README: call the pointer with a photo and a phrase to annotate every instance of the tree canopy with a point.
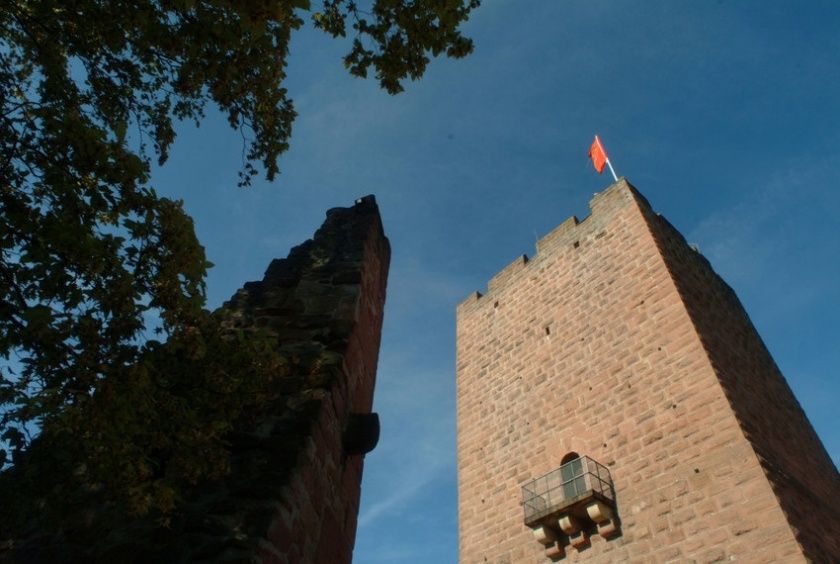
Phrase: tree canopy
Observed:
(91, 255)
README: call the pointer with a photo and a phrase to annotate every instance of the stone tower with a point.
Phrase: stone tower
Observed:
(615, 403)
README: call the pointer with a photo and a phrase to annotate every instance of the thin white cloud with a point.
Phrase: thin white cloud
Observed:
(416, 473)
(763, 229)
(416, 449)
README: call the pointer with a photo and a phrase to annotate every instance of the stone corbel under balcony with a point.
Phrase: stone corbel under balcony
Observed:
(565, 507)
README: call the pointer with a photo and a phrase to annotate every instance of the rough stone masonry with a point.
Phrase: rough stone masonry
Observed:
(325, 305)
(293, 492)
(618, 342)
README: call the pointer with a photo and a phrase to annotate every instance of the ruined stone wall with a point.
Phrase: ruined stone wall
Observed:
(293, 490)
(590, 348)
(325, 305)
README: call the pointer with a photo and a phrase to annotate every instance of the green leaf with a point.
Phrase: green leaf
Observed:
(95, 248)
(14, 437)
(38, 316)
(119, 130)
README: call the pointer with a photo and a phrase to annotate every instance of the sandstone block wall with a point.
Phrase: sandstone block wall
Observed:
(618, 342)
(324, 303)
(792, 456)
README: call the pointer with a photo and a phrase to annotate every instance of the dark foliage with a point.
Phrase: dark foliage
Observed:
(89, 253)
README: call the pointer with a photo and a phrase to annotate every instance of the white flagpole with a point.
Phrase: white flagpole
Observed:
(609, 164)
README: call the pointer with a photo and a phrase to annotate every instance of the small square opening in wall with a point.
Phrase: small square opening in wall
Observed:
(576, 244)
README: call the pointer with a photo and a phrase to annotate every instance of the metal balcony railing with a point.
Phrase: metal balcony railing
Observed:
(577, 480)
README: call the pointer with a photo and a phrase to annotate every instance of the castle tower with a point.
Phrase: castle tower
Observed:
(615, 403)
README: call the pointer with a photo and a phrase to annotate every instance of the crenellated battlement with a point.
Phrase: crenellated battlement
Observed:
(509, 272)
(569, 236)
(559, 234)
(614, 391)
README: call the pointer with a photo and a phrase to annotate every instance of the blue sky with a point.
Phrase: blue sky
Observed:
(726, 115)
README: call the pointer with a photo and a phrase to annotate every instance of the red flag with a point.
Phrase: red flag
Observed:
(598, 155)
